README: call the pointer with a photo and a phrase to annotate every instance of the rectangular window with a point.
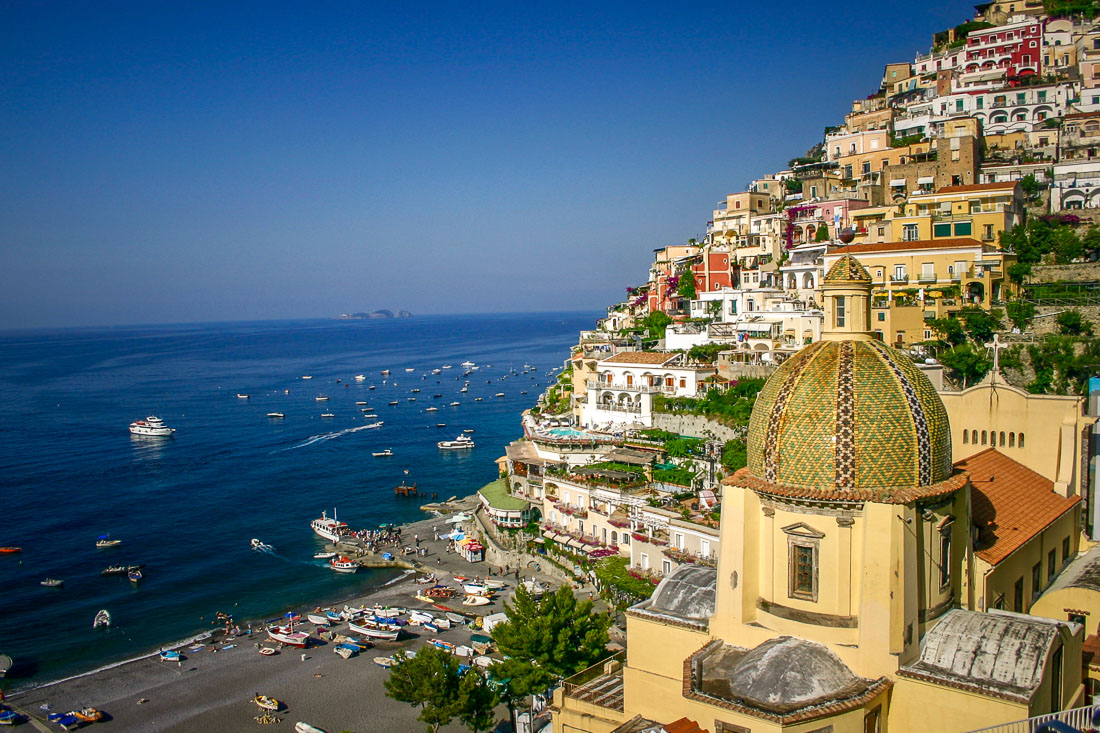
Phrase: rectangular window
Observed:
(1021, 97)
(867, 167)
(1042, 95)
(963, 229)
(1036, 580)
(704, 548)
(958, 105)
(645, 561)
(909, 233)
(981, 102)
(840, 311)
(679, 541)
(881, 315)
(941, 230)
(803, 579)
(1065, 550)
(1052, 565)
(945, 558)
(1018, 596)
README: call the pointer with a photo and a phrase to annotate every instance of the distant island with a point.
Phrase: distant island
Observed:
(377, 314)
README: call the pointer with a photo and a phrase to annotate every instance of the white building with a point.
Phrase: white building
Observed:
(622, 394)
(1076, 186)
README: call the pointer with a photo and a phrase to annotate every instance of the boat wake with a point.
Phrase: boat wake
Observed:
(314, 439)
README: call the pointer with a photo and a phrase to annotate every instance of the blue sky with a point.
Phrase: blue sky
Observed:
(224, 161)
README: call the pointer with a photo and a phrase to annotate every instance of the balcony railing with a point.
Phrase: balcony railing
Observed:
(927, 277)
(1079, 718)
(899, 278)
(633, 387)
(601, 684)
(611, 407)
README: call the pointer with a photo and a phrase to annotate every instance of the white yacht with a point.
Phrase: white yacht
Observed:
(360, 377)
(328, 527)
(151, 426)
(463, 441)
(467, 364)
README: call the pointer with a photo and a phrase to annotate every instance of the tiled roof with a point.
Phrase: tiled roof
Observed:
(947, 243)
(847, 269)
(998, 186)
(1081, 115)
(639, 357)
(1010, 503)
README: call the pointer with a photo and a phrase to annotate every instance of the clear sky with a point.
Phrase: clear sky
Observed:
(224, 161)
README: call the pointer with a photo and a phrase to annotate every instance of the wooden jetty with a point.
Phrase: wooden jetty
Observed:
(405, 490)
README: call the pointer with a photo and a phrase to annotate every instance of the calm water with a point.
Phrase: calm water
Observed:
(187, 506)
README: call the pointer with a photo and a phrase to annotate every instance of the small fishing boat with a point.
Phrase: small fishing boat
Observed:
(464, 389)
(307, 376)
(241, 396)
(261, 546)
(383, 453)
(5, 664)
(455, 618)
(477, 399)
(287, 635)
(441, 424)
(321, 398)
(442, 623)
(52, 583)
(10, 550)
(327, 414)
(103, 618)
(432, 409)
(360, 377)
(387, 611)
(347, 651)
(374, 630)
(430, 626)
(276, 415)
(134, 576)
(499, 394)
(394, 402)
(267, 703)
(476, 589)
(106, 541)
(495, 584)
(301, 727)
(476, 601)
(268, 651)
(9, 717)
(468, 431)
(420, 617)
(333, 616)
(455, 403)
(384, 662)
(324, 555)
(317, 618)
(343, 564)
(444, 645)
(65, 721)
(170, 655)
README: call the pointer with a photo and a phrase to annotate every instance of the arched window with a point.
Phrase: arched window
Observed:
(974, 437)
(1002, 439)
(966, 437)
(1012, 440)
(614, 537)
(1021, 441)
(983, 437)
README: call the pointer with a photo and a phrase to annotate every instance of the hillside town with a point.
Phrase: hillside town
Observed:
(832, 462)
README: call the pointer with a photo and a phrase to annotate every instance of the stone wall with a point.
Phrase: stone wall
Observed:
(1082, 271)
(695, 426)
(1048, 322)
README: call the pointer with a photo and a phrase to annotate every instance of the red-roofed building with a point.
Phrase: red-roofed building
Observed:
(1025, 532)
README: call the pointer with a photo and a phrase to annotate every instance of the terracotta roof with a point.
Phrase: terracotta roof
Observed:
(999, 186)
(1010, 503)
(947, 243)
(640, 357)
(683, 725)
(1081, 115)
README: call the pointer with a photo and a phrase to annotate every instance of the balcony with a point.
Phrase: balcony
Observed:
(622, 386)
(927, 277)
(600, 685)
(1079, 718)
(899, 279)
(625, 409)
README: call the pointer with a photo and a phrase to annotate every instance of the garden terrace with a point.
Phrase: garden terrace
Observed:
(607, 474)
(631, 456)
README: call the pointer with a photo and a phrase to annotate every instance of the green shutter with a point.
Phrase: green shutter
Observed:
(963, 229)
(941, 230)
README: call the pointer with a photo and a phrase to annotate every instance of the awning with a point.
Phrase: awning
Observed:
(575, 543)
(925, 179)
(897, 181)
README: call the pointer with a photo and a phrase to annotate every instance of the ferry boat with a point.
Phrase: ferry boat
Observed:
(328, 527)
(151, 426)
(343, 564)
(463, 441)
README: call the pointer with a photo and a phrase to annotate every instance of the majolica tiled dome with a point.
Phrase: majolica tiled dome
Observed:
(848, 418)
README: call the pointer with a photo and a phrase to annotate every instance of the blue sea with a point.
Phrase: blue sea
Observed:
(187, 506)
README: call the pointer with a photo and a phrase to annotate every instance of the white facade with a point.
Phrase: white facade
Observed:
(622, 394)
(1076, 186)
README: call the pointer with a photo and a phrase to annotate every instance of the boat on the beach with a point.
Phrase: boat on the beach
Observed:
(343, 564)
(374, 630)
(477, 589)
(383, 453)
(287, 635)
(9, 717)
(267, 703)
(317, 618)
(387, 611)
(276, 415)
(64, 721)
(301, 727)
(268, 651)
(5, 664)
(444, 645)
(463, 441)
(347, 651)
(476, 601)
(52, 583)
(324, 555)
(384, 662)
(152, 426)
(10, 550)
(134, 576)
(170, 655)
(333, 616)
(103, 618)
(455, 618)
(328, 527)
(261, 546)
(106, 541)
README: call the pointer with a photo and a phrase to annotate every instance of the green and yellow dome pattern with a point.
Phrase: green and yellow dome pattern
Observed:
(849, 417)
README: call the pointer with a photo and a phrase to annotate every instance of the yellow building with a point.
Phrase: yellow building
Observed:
(981, 211)
(844, 594)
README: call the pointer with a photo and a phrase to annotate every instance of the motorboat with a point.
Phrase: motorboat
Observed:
(241, 396)
(467, 364)
(267, 703)
(10, 550)
(383, 453)
(441, 424)
(134, 576)
(394, 402)
(432, 409)
(409, 369)
(103, 618)
(455, 404)
(464, 389)
(261, 546)
(499, 394)
(328, 527)
(385, 372)
(415, 391)
(360, 377)
(412, 399)
(461, 442)
(385, 662)
(276, 415)
(287, 635)
(477, 399)
(343, 564)
(436, 371)
(52, 583)
(361, 402)
(324, 555)
(317, 618)
(476, 601)
(376, 424)
(106, 541)
(151, 425)
(327, 414)
(307, 376)
(321, 398)
(170, 655)
(374, 629)
(468, 430)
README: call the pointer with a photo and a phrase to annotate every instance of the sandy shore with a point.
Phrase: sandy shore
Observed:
(213, 691)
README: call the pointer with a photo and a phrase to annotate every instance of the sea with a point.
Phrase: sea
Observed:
(186, 507)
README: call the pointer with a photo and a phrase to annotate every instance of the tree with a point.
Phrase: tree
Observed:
(949, 329)
(1072, 323)
(822, 234)
(734, 455)
(656, 323)
(1090, 243)
(980, 324)
(1021, 313)
(686, 286)
(476, 701)
(1030, 186)
(966, 363)
(429, 680)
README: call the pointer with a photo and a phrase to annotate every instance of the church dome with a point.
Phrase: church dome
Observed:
(849, 419)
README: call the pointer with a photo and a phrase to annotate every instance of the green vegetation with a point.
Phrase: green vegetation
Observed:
(1071, 8)
(966, 362)
(822, 234)
(1030, 187)
(901, 142)
(656, 323)
(734, 455)
(816, 154)
(1072, 323)
(1063, 364)
(731, 407)
(966, 333)
(686, 286)
(1053, 237)
(617, 582)
(706, 353)
(683, 447)
(431, 681)
(792, 185)
(1021, 313)
(616, 466)
(662, 435)
(678, 476)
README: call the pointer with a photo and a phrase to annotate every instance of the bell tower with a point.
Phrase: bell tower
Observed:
(846, 291)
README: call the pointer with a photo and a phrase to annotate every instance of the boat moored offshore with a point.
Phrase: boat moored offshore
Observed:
(462, 442)
(329, 527)
(151, 425)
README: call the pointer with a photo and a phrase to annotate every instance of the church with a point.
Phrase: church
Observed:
(870, 577)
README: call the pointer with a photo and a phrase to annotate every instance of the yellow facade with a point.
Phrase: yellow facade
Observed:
(981, 211)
